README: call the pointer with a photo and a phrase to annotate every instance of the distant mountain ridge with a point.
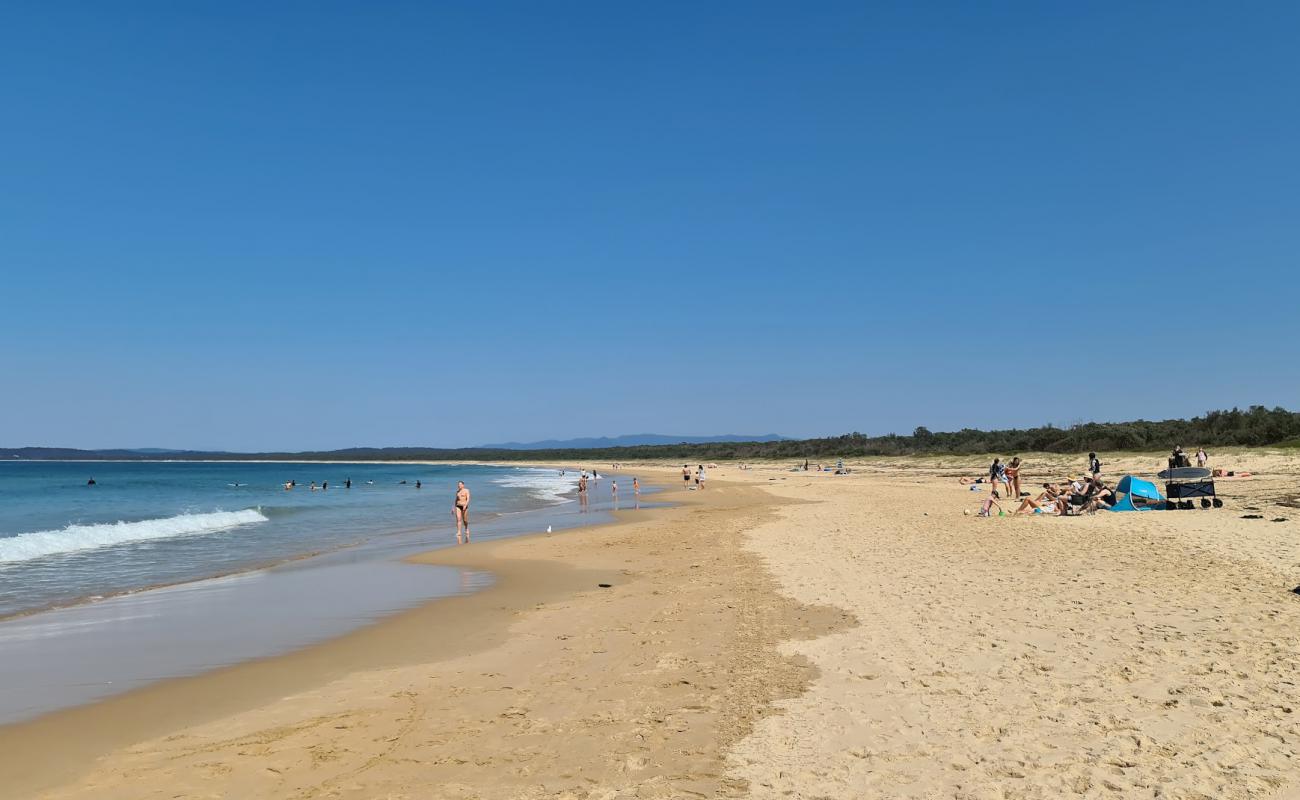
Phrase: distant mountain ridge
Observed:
(631, 440)
(1257, 426)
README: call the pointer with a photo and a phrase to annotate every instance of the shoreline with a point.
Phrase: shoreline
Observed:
(499, 518)
(70, 654)
(56, 748)
(780, 634)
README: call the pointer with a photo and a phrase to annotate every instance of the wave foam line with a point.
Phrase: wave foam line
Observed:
(74, 538)
(545, 485)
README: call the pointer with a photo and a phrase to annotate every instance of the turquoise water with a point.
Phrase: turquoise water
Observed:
(150, 524)
(163, 570)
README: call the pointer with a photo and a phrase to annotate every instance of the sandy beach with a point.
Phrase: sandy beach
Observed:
(780, 634)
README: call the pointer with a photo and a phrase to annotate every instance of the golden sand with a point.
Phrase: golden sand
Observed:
(780, 634)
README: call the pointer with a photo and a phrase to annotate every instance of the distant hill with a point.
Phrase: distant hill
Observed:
(1256, 426)
(632, 440)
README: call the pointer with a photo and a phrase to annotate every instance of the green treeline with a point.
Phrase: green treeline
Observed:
(1254, 427)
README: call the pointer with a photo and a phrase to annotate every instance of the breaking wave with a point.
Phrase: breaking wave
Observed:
(74, 538)
(547, 486)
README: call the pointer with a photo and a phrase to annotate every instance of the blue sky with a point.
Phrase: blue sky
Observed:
(307, 225)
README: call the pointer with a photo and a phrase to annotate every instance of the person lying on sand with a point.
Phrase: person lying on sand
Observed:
(1049, 501)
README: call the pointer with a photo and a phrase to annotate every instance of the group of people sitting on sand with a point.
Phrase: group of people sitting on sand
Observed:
(1071, 497)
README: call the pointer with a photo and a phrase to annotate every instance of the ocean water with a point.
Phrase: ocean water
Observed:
(141, 525)
(168, 569)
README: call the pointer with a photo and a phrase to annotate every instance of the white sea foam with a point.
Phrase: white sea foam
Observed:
(38, 544)
(546, 485)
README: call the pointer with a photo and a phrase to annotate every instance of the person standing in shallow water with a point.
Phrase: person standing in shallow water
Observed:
(461, 511)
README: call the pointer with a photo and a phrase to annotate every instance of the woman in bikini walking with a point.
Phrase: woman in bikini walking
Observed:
(461, 511)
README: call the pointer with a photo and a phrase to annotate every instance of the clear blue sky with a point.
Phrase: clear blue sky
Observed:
(318, 224)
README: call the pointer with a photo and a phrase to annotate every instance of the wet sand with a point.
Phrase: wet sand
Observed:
(544, 683)
(781, 634)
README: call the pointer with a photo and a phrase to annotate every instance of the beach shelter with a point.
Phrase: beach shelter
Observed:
(1145, 492)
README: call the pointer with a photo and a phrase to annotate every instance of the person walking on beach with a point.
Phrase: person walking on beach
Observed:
(461, 511)
(700, 476)
(1094, 465)
(1202, 457)
(686, 476)
(613, 487)
(995, 473)
(636, 488)
(582, 491)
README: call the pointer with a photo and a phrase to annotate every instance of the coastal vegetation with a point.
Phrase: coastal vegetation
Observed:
(1256, 426)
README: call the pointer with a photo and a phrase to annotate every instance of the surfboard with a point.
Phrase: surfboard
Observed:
(1184, 474)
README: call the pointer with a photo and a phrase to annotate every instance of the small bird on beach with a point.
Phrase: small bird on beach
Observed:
(548, 528)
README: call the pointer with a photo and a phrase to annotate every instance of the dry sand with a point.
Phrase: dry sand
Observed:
(781, 635)
(1117, 655)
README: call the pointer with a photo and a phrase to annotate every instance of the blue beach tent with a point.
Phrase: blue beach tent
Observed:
(1148, 496)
